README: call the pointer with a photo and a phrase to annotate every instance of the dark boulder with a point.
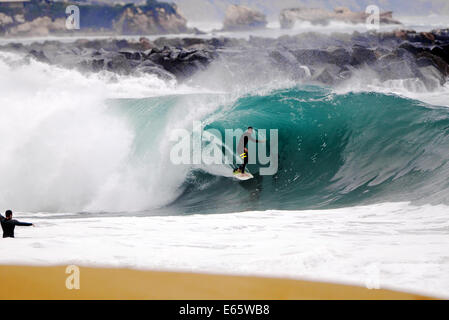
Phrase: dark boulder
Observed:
(311, 56)
(39, 55)
(283, 58)
(196, 55)
(424, 62)
(423, 37)
(339, 56)
(156, 57)
(361, 55)
(286, 62)
(119, 64)
(441, 35)
(413, 48)
(440, 63)
(131, 54)
(442, 52)
(121, 44)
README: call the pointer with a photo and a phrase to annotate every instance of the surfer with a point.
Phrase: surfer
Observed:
(9, 224)
(242, 149)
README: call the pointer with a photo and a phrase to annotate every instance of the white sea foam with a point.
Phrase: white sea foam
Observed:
(413, 88)
(395, 245)
(63, 150)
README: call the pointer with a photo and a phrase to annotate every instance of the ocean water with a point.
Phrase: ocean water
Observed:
(360, 195)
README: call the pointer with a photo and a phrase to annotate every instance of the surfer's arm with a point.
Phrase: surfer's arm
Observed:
(22, 224)
(256, 140)
(2, 218)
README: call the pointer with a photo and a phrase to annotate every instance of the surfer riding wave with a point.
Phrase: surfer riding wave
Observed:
(242, 149)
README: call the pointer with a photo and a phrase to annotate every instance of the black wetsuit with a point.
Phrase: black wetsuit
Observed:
(8, 226)
(243, 143)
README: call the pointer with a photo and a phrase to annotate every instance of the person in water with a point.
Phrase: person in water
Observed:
(242, 149)
(9, 224)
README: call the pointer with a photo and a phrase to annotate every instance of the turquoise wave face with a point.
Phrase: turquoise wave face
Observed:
(334, 150)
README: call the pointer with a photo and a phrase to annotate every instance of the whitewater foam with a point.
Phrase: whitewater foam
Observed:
(395, 245)
(412, 88)
(63, 149)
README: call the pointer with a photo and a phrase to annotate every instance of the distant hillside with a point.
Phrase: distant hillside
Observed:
(215, 9)
(39, 17)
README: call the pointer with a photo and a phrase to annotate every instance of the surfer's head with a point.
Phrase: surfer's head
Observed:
(250, 129)
(8, 214)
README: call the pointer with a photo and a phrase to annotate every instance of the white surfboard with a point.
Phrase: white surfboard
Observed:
(243, 176)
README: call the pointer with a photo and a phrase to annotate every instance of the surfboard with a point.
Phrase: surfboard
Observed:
(243, 177)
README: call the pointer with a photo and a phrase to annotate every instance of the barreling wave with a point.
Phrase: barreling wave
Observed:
(66, 148)
(334, 150)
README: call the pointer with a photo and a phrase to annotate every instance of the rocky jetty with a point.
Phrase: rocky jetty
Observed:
(288, 17)
(243, 18)
(124, 57)
(387, 56)
(317, 58)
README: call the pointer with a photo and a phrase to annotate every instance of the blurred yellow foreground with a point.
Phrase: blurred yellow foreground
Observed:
(20, 282)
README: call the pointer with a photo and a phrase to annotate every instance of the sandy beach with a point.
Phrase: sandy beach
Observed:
(31, 283)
